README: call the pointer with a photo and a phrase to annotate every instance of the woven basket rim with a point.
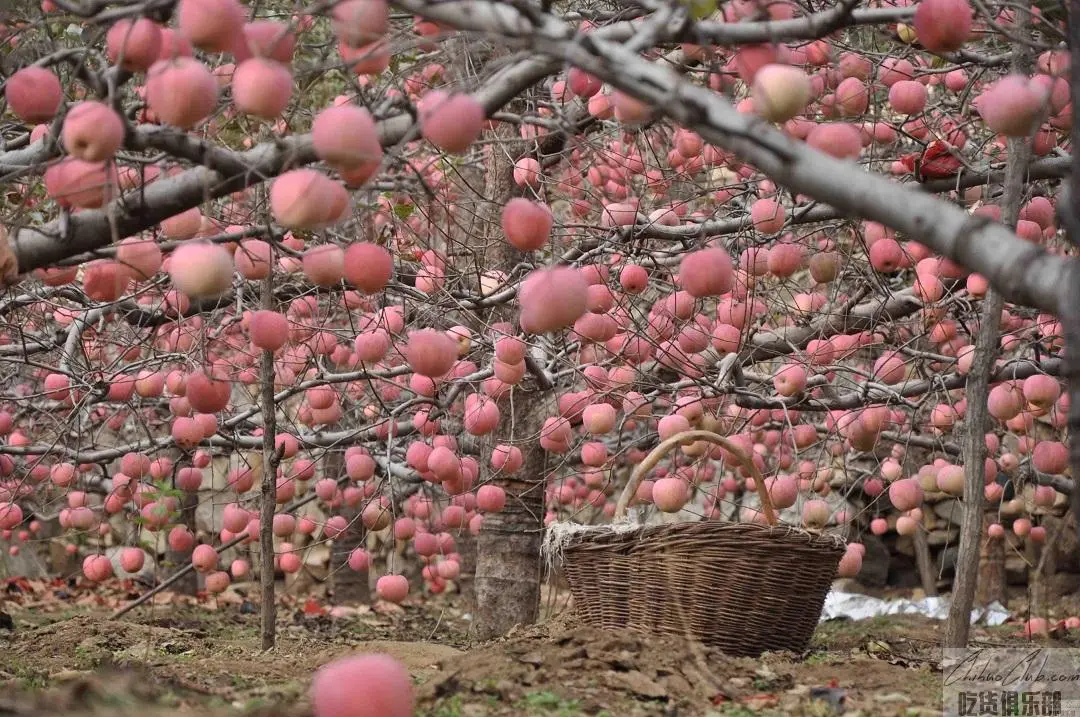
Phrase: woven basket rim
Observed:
(781, 533)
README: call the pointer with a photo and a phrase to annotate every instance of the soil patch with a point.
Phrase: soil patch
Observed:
(204, 662)
(191, 664)
(597, 672)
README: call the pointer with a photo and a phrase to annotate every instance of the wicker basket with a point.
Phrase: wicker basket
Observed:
(744, 587)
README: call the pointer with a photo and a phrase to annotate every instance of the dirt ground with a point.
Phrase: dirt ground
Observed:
(201, 657)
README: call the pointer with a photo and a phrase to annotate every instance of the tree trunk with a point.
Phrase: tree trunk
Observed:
(1038, 558)
(1045, 559)
(508, 571)
(967, 561)
(991, 584)
(349, 586)
(924, 563)
(507, 551)
(1069, 312)
(466, 581)
(986, 350)
(269, 483)
(60, 561)
(189, 584)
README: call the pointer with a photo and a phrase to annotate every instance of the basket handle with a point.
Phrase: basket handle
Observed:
(698, 435)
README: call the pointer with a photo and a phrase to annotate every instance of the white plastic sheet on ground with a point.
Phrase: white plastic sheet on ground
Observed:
(854, 606)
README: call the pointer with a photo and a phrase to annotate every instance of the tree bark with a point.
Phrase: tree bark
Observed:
(60, 561)
(1038, 558)
(967, 561)
(991, 583)
(986, 350)
(349, 586)
(925, 565)
(189, 584)
(466, 581)
(1069, 309)
(268, 629)
(1042, 588)
(508, 571)
(978, 387)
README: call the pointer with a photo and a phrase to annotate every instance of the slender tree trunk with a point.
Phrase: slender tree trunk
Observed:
(269, 483)
(60, 562)
(466, 581)
(967, 561)
(1044, 557)
(189, 584)
(350, 586)
(991, 584)
(1038, 558)
(1069, 312)
(925, 565)
(986, 350)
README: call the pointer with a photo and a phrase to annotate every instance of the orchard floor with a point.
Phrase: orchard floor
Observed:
(65, 656)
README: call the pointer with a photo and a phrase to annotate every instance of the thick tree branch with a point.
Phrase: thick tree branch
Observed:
(1014, 370)
(810, 27)
(1050, 168)
(990, 249)
(37, 247)
(1070, 300)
